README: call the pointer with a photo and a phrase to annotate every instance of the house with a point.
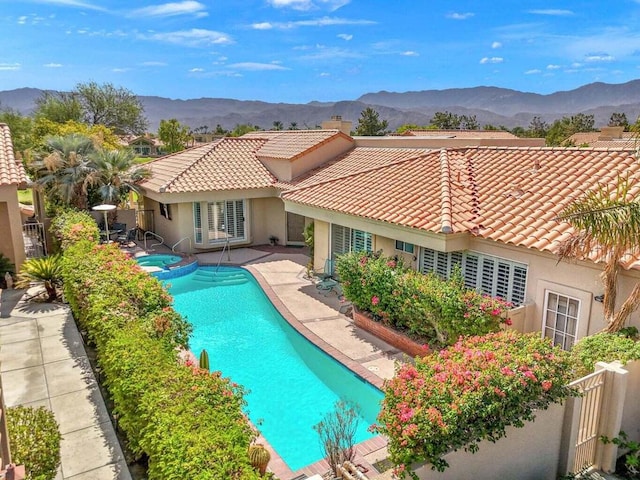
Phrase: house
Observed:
(490, 209)
(607, 137)
(144, 145)
(12, 176)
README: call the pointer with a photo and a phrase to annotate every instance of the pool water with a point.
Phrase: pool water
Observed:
(158, 260)
(292, 384)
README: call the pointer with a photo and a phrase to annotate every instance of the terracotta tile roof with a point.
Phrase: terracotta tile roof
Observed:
(590, 138)
(291, 144)
(11, 170)
(509, 195)
(228, 164)
(460, 133)
(356, 160)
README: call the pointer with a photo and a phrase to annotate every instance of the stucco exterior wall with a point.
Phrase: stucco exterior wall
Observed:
(579, 280)
(11, 241)
(322, 240)
(267, 218)
(528, 453)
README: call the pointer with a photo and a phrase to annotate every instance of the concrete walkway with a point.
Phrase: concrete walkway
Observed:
(43, 363)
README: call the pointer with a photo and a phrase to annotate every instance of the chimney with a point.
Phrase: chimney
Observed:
(336, 123)
(611, 133)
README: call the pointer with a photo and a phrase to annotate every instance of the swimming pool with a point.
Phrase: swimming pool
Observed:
(292, 383)
(158, 260)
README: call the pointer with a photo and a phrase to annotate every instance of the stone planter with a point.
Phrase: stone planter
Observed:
(392, 337)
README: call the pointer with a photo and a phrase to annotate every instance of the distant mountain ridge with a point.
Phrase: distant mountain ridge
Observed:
(491, 105)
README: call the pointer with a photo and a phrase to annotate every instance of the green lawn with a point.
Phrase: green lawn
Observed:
(25, 196)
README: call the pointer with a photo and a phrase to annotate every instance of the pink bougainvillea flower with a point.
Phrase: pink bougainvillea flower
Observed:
(375, 300)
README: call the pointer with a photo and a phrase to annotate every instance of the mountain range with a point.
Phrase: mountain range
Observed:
(491, 105)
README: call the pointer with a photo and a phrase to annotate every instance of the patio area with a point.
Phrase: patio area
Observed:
(43, 360)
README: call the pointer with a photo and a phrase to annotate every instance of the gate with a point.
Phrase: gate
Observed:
(35, 243)
(591, 388)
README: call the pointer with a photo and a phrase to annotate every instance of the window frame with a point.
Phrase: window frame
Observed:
(564, 333)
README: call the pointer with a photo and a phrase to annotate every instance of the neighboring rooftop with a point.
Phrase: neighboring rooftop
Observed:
(607, 137)
(459, 133)
(11, 170)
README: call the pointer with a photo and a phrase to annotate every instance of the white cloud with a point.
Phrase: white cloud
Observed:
(345, 36)
(73, 3)
(196, 70)
(187, 7)
(330, 53)
(304, 5)
(327, 74)
(196, 37)
(9, 66)
(410, 53)
(599, 57)
(154, 64)
(460, 16)
(491, 60)
(256, 66)
(22, 20)
(319, 22)
(551, 66)
(120, 70)
(262, 26)
(495, 45)
(552, 11)
(52, 65)
(533, 72)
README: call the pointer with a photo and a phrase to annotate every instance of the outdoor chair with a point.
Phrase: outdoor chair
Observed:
(327, 272)
(125, 239)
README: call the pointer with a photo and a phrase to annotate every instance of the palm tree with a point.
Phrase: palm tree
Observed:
(607, 224)
(64, 172)
(47, 270)
(114, 176)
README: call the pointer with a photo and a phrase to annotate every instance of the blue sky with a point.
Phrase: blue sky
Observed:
(297, 51)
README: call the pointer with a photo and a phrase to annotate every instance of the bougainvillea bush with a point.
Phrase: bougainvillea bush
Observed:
(426, 307)
(469, 392)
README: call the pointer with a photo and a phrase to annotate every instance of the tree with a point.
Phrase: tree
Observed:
(101, 136)
(174, 135)
(21, 128)
(59, 107)
(113, 175)
(618, 120)
(47, 270)
(277, 125)
(369, 123)
(607, 220)
(65, 172)
(446, 121)
(538, 128)
(93, 104)
(469, 122)
(241, 129)
(293, 126)
(562, 129)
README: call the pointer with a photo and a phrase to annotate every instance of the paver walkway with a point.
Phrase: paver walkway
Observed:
(44, 363)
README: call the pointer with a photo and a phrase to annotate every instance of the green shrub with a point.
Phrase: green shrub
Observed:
(602, 347)
(6, 266)
(469, 392)
(71, 226)
(426, 307)
(187, 421)
(35, 441)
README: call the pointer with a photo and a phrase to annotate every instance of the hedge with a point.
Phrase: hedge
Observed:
(187, 421)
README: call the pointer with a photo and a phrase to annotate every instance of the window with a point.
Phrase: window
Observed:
(561, 319)
(345, 239)
(225, 222)
(404, 246)
(487, 274)
(165, 210)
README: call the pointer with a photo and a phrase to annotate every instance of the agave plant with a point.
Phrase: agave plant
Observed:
(47, 270)
(5, 267)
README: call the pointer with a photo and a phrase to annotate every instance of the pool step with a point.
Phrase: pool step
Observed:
(220, 278)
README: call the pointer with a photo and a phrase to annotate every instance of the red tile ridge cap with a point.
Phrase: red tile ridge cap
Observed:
(445, 193)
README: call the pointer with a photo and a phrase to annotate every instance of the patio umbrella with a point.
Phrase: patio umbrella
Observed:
(105, 208)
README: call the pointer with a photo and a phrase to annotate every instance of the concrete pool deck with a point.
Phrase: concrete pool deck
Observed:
(44, 363)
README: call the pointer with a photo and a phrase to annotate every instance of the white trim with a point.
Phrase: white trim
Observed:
(566, 339)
